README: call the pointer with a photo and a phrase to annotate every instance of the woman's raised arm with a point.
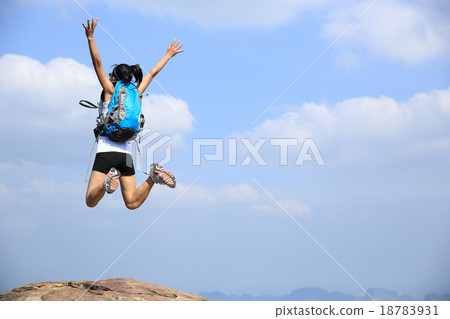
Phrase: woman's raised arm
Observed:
(105, 82)
(172, 50)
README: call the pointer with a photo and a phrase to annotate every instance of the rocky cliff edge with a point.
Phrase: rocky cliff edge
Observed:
(103, 290)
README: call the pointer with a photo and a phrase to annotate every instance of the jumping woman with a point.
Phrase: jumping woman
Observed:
(113, 162)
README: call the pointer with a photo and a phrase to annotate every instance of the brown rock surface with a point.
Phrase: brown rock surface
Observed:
(109, 289)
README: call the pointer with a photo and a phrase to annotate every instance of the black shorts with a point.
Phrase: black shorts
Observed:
(123, 162)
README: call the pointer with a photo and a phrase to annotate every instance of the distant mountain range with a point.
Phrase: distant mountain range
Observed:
(317, 294)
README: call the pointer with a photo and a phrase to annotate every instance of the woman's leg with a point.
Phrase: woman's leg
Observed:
(95, 190)
(132, 196)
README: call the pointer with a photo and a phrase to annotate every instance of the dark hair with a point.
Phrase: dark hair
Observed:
(125, 73)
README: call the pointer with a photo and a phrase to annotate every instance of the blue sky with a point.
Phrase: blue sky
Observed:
(376, 105)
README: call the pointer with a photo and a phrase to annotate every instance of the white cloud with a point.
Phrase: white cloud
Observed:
(238, 193)
(346, 59)
(246, 197)
(167, 115)
(368, 128)
(57, 194)
(19, 165)
(229, 13)
(209, 14)
(41, 192)
(292, 206)
(51, 189)
(41, 101)
(411, 31)
(45, 97)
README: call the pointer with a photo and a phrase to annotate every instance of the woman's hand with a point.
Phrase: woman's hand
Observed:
(90, 27)
(174, 48)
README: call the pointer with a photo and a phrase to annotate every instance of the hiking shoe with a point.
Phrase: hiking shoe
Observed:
(111, 182)
(161, 176)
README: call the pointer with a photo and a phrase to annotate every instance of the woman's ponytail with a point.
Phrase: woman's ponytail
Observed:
(137, 73)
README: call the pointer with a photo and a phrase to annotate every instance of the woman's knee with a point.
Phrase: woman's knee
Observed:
(131, 205)
(90, 201)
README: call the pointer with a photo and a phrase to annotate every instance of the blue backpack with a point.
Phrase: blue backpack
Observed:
(124, 118)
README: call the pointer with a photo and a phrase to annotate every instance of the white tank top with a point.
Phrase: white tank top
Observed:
(106, 145)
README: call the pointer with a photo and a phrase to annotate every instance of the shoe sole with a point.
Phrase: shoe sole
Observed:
(112, 182)
(167, 177)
